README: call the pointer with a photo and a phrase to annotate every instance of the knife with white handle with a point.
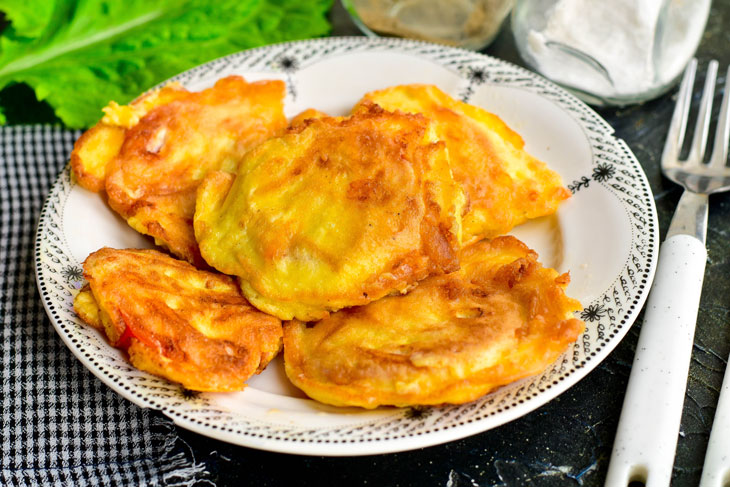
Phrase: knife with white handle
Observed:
(716, 472)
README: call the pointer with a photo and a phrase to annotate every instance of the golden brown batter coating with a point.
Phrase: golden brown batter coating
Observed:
(151, 155)
(336, 213)
(189, 326)
(505, 185)
(95, 150)
(301, 119)
(452, 339)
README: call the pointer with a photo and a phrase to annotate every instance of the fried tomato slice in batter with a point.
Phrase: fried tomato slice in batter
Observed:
(336, 213)
(504, 184)
(151, 155)
(452, 339)
(189, 326)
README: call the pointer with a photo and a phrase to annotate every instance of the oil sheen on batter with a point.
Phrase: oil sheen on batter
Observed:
(452, 339)
(504, 184)
(189, 326)
(338, 212)
(151, 155)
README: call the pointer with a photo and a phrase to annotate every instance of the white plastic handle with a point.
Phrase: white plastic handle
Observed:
(646, 438)
(716, 472)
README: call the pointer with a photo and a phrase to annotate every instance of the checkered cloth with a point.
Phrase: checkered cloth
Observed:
(61, 425)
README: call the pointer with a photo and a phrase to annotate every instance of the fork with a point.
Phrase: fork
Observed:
(646, 438)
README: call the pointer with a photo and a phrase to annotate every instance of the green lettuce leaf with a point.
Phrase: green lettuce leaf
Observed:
(79, 54)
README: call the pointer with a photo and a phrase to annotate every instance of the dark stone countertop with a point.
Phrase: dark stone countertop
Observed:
(568, 441)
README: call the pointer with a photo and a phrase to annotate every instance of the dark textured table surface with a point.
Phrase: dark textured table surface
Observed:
(568, 441)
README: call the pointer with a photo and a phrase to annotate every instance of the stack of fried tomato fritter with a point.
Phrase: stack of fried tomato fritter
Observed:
(377, 238)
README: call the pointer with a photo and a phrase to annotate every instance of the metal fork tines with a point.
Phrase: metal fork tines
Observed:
(646, 438)
(693, 173)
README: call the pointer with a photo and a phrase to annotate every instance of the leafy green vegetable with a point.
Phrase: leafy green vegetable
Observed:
(79, 54)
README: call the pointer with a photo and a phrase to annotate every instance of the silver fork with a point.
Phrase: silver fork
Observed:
(646, 438)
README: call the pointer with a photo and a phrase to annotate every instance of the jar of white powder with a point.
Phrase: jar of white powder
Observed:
(610, 52)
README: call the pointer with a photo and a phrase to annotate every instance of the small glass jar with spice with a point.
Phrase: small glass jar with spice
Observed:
(471, 24)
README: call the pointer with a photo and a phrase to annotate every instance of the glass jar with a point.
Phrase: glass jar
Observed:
(471, 24)
(614, 52)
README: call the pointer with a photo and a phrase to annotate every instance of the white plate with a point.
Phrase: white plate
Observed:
(606, 236)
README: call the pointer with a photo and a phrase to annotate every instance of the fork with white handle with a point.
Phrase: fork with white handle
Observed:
(646, 438)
